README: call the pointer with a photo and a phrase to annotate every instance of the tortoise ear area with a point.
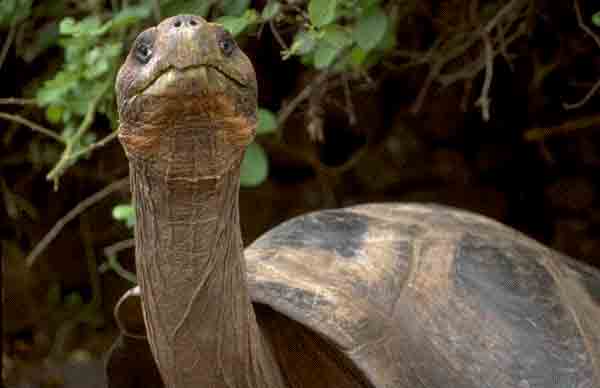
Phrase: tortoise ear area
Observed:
(129, 316)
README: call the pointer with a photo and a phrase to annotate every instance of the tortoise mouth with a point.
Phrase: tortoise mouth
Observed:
(190, 80)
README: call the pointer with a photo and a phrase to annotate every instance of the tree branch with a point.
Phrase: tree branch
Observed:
(585, 98)
(461, 43)
(9, 39)
(484, 99)
(66, 156)
(596, 38)
(17, 101)
(277, 36)
(101, 143)
(537, 134)
(582, 24)
(110, 252)
(33, 126)
(290, 107)
(72, 214)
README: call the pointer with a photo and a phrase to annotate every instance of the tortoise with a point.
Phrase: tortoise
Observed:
(374, 295)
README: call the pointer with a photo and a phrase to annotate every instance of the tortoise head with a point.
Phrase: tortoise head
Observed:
(186, 96)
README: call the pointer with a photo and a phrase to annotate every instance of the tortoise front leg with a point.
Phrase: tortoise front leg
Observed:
(129, 362)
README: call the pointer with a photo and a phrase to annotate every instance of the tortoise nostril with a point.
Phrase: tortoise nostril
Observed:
(177, 23)
(193, 22)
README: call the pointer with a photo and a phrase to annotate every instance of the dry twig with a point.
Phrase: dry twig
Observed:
(457, 46)
(72, 214)
(100, 143)
(585, 98)
(596, 38)
(119, 246)
(35, 127)
(17, 101)
(111, 251)
(290, 107)
(277, 36)
(484, 99)
(538, 134)
(9, 39)
(350, 111)
(582, 24)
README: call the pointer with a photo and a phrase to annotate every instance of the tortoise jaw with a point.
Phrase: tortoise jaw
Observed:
(192, 80)
(180, 80)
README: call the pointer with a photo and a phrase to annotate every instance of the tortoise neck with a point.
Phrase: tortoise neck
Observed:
(199, 317)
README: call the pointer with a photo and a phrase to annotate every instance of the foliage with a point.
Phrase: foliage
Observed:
(124, 213)
(360, 27)
(13, 11)
(254, 166)
(343, 38)
(596, 19)
(93, 49)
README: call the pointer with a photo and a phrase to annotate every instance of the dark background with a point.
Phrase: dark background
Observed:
(546, 187)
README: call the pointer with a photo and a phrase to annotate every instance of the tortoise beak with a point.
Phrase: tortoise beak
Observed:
(190, 80)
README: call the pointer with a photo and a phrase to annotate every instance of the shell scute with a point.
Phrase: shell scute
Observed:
(435, 297)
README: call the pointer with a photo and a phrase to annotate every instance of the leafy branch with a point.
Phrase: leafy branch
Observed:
(69, 153)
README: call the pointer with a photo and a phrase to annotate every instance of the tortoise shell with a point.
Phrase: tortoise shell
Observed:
(408, 295)
(429, 296)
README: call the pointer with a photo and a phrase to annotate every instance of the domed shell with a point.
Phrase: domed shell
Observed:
(428, 296)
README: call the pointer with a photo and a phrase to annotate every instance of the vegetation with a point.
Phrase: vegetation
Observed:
(484, 78)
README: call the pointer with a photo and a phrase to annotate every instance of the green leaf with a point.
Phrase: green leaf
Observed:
(255, 166)
(87, 27)
(267, 122)
(325, 55)
(388, 42)
(124, 213)
(237, 25)
(370, 29)
(367, 4)
(358, 56)
(321, 12)
(130, 15)
(337, 36)
(271, 10)
(54, 90)
(54, 113)
(596, 19)
(334, 38)
(235, 7)
(67, 26)
(14, 11)
(177, 7)
(304, 43)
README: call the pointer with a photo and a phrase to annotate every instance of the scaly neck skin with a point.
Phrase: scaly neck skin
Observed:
(199, 317)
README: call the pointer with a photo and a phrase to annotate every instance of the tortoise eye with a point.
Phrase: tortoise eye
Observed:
(226, 44)
(143, 52)
(143, 47)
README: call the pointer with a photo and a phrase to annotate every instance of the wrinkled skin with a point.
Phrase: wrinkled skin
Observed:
(191, 75)
(187, 106)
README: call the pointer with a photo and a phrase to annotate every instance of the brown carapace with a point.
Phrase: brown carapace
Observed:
(380, 295)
